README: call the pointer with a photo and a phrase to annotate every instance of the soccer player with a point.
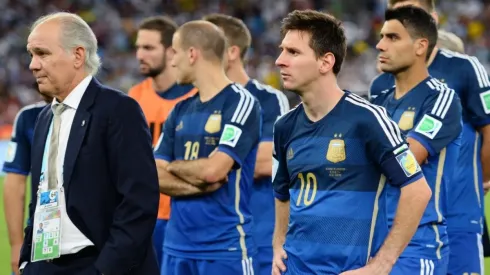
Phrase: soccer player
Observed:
(17, 167)
(334, 154)
(274, 104)
(429, 114)
(469, 79)
(206, 160)
(158, 94)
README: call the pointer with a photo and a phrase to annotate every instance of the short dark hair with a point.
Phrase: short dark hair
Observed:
(235, 30)
(429, 5)
(327, 33)
(205, 36)
(163, 24)
(418, 23)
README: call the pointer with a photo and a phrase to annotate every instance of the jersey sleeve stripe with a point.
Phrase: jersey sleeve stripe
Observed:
(391, 124)
(446, 108)
(386, 124)
(444, 100)
(483, 72)
(281, 97)
(240, 103)
(397, 132)
(244, 106)
(249, 110)
(480, 72)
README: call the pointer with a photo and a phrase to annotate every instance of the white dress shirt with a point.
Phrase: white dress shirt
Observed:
(72, 240)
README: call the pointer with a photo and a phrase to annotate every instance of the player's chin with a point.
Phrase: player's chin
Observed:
(386, 68)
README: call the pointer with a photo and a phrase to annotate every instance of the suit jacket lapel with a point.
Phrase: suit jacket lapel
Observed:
(78, 130)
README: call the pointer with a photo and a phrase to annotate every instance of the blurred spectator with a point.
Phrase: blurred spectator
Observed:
(115, 21)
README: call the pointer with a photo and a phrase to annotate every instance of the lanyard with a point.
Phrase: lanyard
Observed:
(44, 166)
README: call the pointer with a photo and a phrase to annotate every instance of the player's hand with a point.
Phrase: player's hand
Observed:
(14, 258)
(486, 187)
(278, 265)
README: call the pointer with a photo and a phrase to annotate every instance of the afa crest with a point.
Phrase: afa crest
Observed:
(336, 149)
(213, 125)
(406, 120)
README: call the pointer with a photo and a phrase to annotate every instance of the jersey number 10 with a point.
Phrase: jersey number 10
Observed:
(304, 192)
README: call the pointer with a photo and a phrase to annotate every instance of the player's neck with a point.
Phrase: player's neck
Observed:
(432, 56)
(237, 74)
(163, 81)
(210, 82)
(68, 89)
(407, 80)
(320, 98)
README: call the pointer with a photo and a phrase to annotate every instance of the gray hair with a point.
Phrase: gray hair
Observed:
(75, 32)
(450, 41)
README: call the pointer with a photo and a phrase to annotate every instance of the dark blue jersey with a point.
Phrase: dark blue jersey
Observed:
(334, 172)
(217, 225)
(274, 104)
(431, 114)
(18, 159)
(469, 79)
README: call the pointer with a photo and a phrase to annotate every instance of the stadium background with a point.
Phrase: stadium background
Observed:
(115, 22)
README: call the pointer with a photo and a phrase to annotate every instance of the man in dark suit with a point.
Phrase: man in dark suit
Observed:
(93, 147)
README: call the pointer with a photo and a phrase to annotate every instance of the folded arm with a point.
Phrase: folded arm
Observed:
(174, 186)
(203, 172)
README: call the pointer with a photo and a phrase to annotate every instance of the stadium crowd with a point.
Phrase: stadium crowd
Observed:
(115, 23)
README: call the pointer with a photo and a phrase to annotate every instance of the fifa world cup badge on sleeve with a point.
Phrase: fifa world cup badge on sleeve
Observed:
(230, 135)
(336, 149)
(408, 163)
(11, 150)
(485, 99)
(428, 126)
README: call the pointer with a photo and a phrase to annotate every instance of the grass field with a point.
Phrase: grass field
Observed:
(5, 248)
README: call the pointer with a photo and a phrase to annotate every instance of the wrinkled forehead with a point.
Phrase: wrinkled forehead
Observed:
(45, 35)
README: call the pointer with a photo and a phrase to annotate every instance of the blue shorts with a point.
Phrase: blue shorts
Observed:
(466, 254)
(417, 266)
(264, 259)
(172, 265)
(158, 237)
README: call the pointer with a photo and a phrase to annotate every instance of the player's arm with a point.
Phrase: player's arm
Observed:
(485, 152)
(387, 148)
(17, 166)
(170, 184)
(476, 101)
(440, 124)
(273, 109)
(280, 184)
(176, 187)
(240, 134)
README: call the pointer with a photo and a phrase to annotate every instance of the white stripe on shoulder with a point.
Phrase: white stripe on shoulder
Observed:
(245, 105)
(444, 100)
(389, 127)
(282, 99)
(480, 72)
(25, 108)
